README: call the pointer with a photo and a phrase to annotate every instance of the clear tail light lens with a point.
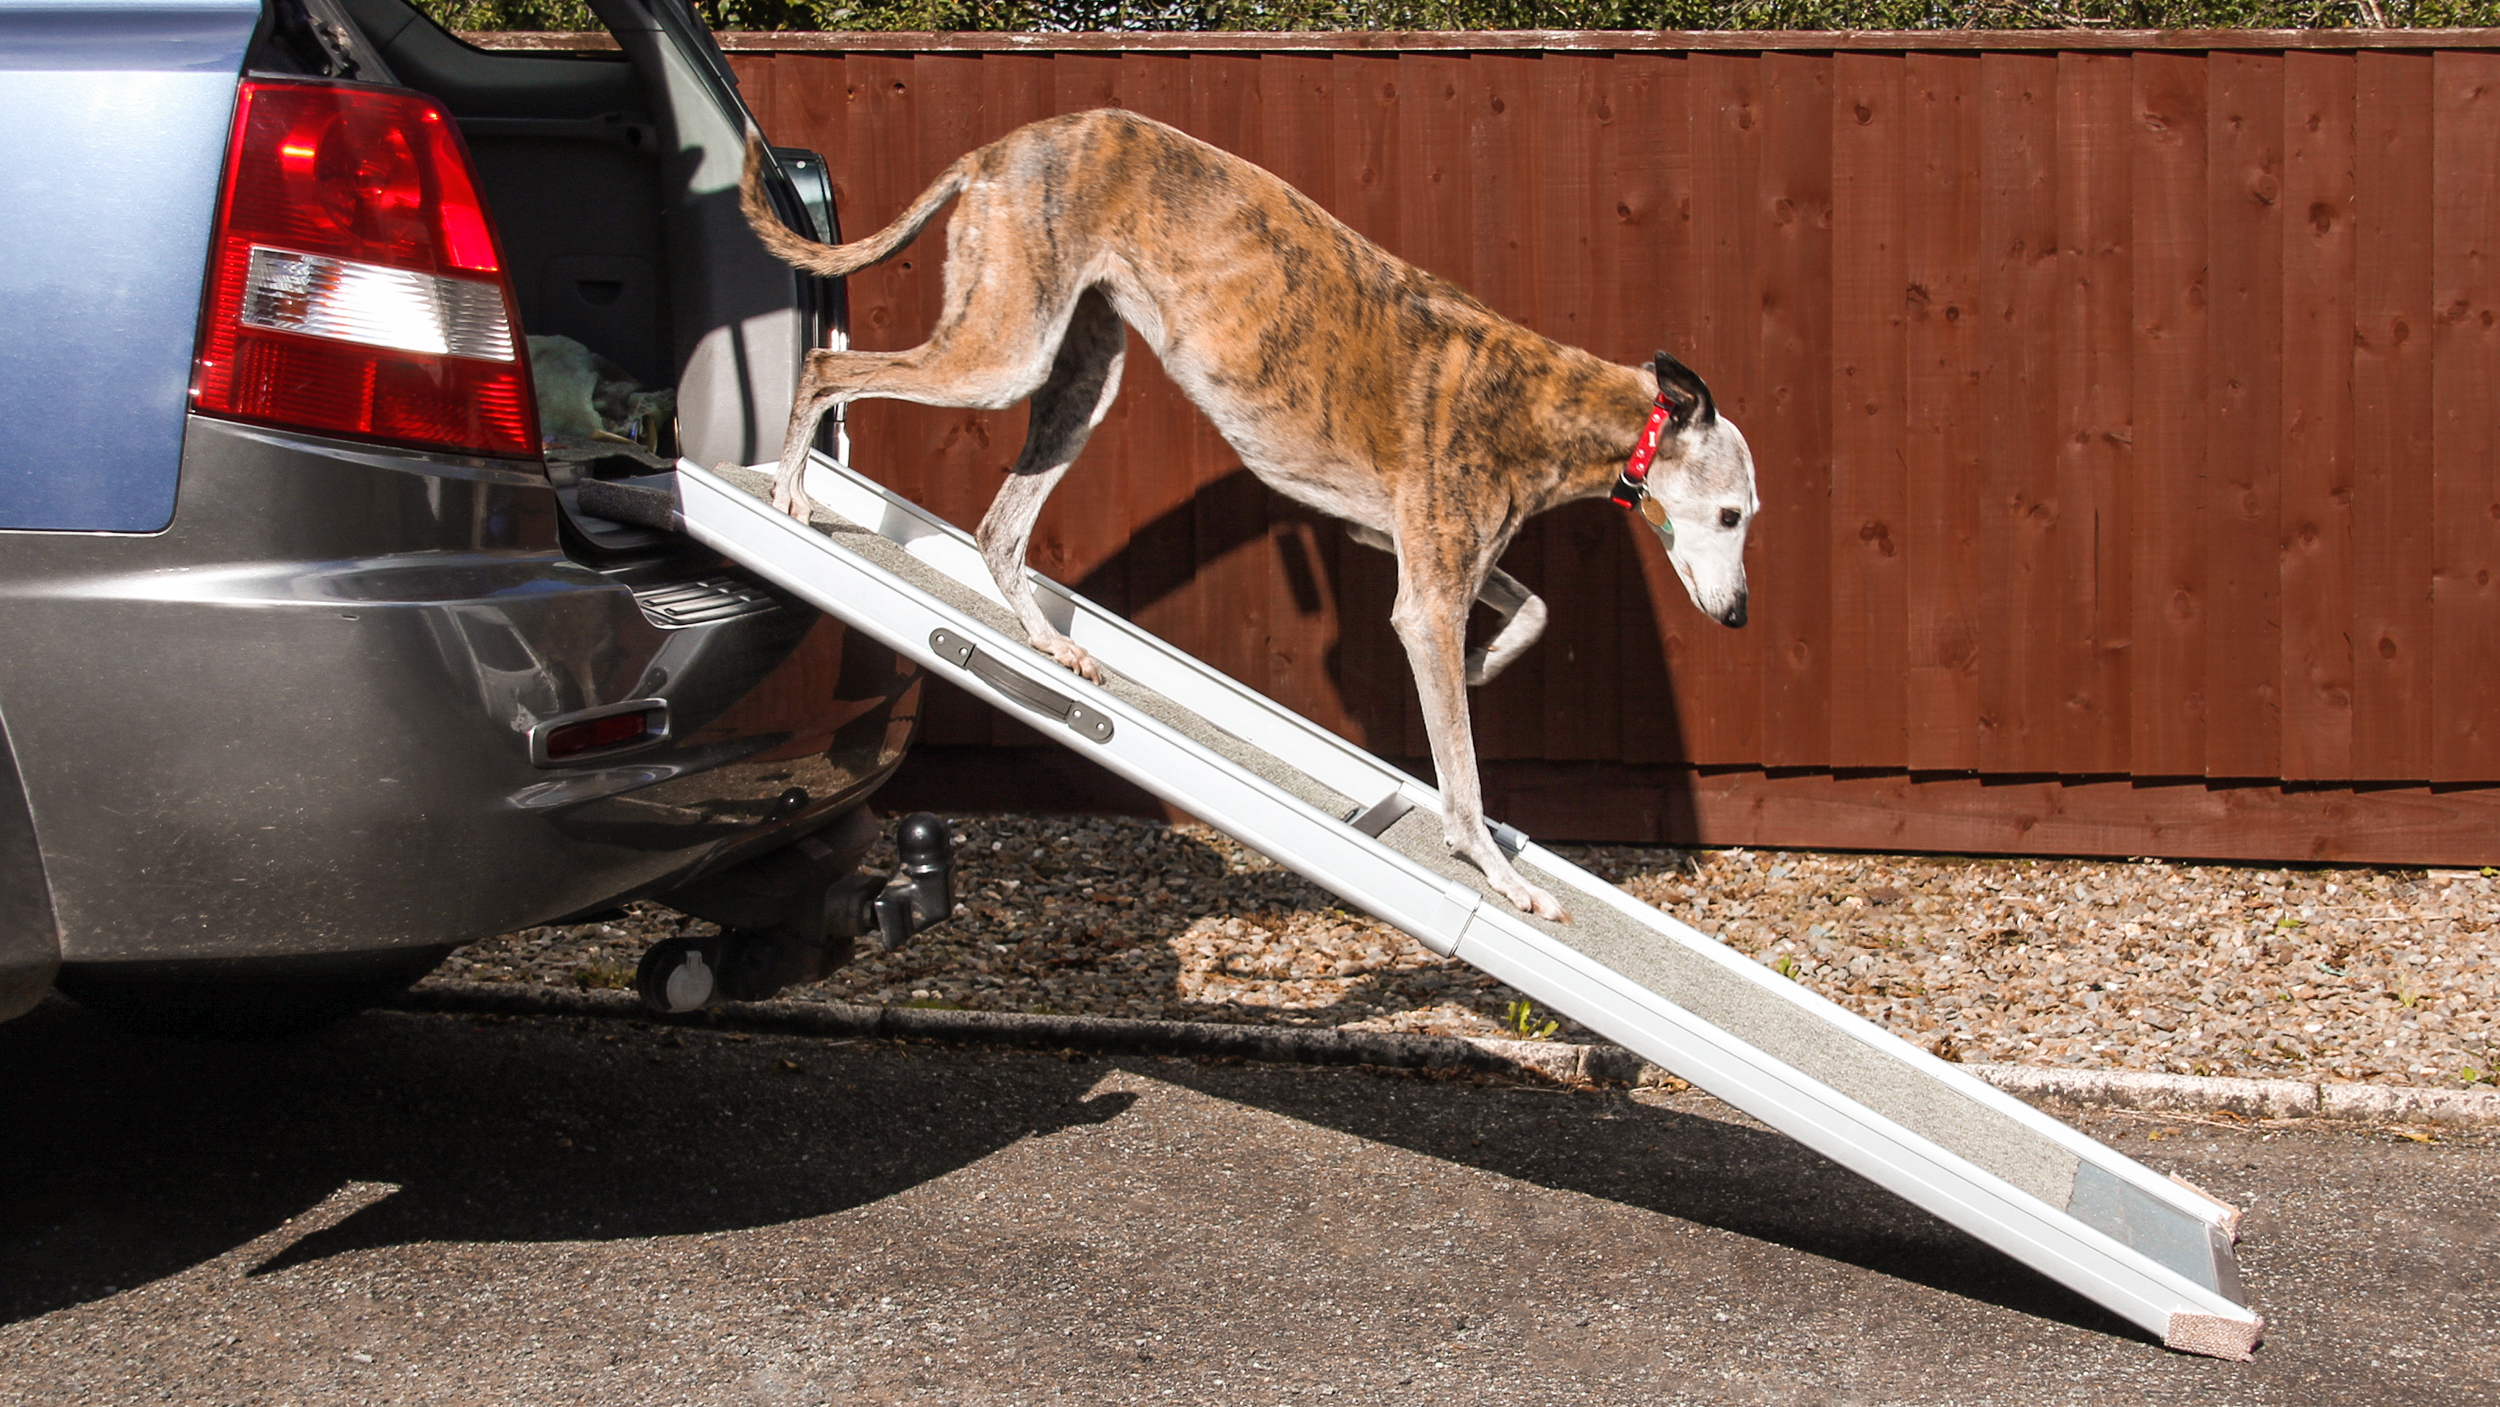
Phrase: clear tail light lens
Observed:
(354, 283)
(319, 296)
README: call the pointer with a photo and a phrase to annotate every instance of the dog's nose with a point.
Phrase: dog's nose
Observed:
(1734, 615)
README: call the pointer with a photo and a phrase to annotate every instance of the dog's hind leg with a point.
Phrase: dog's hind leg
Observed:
(1430, 618)
(820, 387)
(1084, 379)
(973, 372)
(1519, 612)
(1010, 297)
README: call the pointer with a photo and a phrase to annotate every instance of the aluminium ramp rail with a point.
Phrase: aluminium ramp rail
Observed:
(2155, 1251)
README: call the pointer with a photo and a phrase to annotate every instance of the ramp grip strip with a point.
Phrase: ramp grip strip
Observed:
(1039, 698)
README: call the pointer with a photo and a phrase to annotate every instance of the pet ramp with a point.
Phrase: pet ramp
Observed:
(2148, 1248)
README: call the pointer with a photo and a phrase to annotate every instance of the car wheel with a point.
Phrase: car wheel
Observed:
(247, 996)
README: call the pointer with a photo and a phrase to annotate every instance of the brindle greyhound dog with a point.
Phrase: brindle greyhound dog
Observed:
(1345, 378)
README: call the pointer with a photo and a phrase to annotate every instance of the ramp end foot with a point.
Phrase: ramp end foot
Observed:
(2214, 1336)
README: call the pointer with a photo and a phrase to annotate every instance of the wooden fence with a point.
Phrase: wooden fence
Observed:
(2123, 407)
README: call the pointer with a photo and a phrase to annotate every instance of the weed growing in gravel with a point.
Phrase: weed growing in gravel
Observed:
(2481, 1069)
(1519, 1018)
(603, 975)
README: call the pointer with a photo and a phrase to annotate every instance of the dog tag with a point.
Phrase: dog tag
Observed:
(1653, 510)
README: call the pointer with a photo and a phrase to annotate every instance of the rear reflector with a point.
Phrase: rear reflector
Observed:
(355, 287)
(569, 740)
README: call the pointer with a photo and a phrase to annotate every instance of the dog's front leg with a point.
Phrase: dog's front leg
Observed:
(1519, 620)
(1084, 379)
(1005, 534)
(1518, 613)
(1431, 621)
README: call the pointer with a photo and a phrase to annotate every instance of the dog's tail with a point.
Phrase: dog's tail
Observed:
(836, 260)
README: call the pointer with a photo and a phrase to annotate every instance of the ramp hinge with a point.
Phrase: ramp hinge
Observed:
(1450, 919)
(1375, 819)
(1040, 698)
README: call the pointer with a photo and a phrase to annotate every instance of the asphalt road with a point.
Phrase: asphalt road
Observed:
(563, 1211)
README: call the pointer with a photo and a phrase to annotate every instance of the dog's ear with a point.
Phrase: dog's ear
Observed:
(1686, 392)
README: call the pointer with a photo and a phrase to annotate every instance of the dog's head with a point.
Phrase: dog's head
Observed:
(1703, 478)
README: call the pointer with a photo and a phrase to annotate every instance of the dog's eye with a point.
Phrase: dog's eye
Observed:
(1729, 517)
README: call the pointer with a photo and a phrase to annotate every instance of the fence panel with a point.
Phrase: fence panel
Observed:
(1870, 647)
(2318, 330)
(2391, 612)
(2095, 462)
(2465, 368)
(2166, 712)
(1943, 446)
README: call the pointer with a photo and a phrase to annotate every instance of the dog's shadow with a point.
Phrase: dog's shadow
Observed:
(1604, 644)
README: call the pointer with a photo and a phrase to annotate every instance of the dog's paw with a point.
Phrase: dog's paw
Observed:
(1072, 657)
(1533, 900)
(790, 496)
(1505, 881)
(795, 502)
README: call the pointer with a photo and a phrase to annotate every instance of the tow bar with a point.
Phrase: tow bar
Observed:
(813, 936)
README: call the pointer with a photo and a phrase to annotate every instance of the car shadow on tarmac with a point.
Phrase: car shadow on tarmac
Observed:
(134, 1157)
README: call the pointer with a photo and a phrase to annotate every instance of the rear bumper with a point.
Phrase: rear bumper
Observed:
(298, 721)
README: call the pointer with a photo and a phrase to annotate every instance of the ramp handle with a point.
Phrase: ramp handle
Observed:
(1038, 697)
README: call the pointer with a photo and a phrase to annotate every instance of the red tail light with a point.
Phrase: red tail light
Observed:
(354, 283)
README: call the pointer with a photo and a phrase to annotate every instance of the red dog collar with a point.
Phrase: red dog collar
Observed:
(1630, 490)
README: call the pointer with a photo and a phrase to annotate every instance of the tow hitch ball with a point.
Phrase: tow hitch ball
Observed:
(922, 891)
(753, 964)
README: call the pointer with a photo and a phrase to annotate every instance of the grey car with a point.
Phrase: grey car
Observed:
(313, 664)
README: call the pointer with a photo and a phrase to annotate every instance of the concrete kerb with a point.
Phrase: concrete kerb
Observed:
(1555, 1060)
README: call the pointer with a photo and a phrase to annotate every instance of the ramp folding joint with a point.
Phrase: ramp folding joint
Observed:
(1380, 815)
(1511, 840)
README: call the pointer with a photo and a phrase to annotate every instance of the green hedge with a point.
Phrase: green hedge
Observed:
(1066, 15)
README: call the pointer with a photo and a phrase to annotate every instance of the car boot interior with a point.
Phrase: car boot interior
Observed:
(612, 178)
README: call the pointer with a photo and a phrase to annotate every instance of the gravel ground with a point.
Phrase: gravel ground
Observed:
(2380, 975)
